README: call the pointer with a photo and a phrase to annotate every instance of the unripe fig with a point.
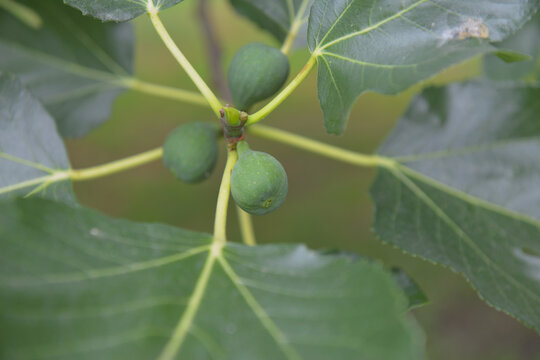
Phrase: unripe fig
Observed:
(257, 72)
(190, 151)
(259, 183)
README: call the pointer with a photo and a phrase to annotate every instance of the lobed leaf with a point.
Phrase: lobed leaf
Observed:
(526, 42)
(30, 146)
(388, 45)
(463, 189)
(76, 66)
(119, 10)
(112, 289)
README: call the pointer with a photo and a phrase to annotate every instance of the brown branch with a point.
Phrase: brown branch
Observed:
(213, 50)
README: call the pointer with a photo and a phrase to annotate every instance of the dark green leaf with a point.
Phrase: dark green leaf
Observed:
(412, 290)
(463, 189)
(29, 143)
(387, 46)
(97, 288)
(118, 10)
(275, 16)
(525, 41)
(75, 65)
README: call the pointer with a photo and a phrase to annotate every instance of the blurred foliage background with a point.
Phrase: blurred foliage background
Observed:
(328, 204)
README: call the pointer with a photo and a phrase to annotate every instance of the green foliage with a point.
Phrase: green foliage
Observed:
(28, 133)
(256, 72)
(275, 16)
(191, 151)
(76, 67)
(259, 182)
(526, 42)
(461, 218)
(408, 42)
(114, 289)
(118, 10)
(457, 183)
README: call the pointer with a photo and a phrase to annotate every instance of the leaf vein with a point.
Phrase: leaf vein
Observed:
(459, 231)
(373, 27)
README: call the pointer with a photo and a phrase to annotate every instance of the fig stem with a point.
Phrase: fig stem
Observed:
(320, 148)
(220, 224)
(210, 97)
(246, 227)
(284, 94)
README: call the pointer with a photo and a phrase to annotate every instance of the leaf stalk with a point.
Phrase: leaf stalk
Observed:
(321, 148)
(246, 227)
(165, 91)
(284, 94)
(24, 13)
(210, 97)
(295, 27)
(220, 224)
(116, 166)
(89, 173)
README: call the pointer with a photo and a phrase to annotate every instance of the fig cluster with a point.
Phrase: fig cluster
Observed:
(259, 182)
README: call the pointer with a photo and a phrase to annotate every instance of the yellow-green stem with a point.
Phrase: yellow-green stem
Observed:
(55, 177)
(210, 97)
(284, 94)
(25, 14)
(89, 173)
(220, 224)
(165, 91)
(295, 27)
(116, 166)
(320, 148)
(246, 227)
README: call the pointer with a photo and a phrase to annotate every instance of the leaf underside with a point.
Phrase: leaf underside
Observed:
(274, 16)
(524, 41)
(28, 133)
(464, 189)
(75, 65)
(118, 10)
(387, 45)
(97, 288)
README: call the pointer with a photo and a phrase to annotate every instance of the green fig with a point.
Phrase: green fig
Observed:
(190, 151)
(259, 183)
(257, 72)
